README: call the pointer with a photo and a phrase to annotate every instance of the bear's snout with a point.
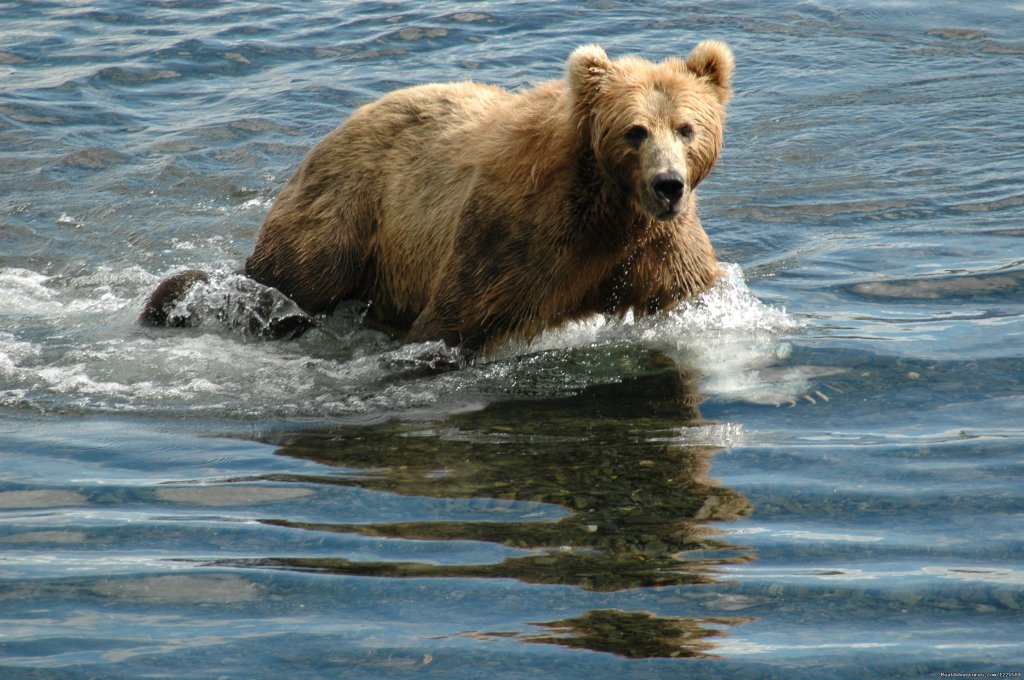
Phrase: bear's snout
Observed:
(669, 187)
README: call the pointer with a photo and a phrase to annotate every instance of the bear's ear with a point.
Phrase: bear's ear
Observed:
(586, 68)
(714, 61)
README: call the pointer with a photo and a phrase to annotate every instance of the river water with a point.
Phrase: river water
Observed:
(814, 471)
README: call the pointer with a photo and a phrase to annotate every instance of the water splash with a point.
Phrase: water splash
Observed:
(737, 341)
(233, 302)
(75, 346)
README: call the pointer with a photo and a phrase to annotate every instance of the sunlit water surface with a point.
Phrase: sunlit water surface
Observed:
(813, 471)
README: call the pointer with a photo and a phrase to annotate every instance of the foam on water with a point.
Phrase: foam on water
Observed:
(25, 292)
(77, 348)
(728, 307)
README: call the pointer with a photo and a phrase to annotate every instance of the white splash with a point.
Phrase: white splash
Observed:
(25, 292)
(73, 343)
(738, 342)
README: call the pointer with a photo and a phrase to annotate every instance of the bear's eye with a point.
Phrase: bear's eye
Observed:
(685, 131)
(636, 135)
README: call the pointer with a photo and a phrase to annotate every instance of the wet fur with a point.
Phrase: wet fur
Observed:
(470, 214)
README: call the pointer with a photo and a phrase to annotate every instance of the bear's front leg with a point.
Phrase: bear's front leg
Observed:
(429, 327)
(675, 265)
(479, 303)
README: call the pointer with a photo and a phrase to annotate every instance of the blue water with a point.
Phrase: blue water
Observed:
(814, 472)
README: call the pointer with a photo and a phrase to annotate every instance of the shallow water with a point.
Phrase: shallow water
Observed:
(814, 471)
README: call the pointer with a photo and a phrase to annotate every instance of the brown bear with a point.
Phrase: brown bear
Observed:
(466, 213)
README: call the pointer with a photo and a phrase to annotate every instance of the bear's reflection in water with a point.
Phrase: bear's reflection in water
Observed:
(614, 455)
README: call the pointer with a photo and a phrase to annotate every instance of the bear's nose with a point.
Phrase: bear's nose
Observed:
(669, 186)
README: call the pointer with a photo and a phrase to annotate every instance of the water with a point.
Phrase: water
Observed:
(814, 472)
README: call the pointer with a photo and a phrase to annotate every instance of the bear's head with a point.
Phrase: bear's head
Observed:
(656, 130)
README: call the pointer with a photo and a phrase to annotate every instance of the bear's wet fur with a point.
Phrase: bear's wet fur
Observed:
(466, 213)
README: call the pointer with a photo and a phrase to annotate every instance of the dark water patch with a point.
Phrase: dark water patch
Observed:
(995, 286)
(993, 204)
(968, 41)
(895, 604)
(957, 33)
(24, 113)
(11, 58)
(861, 551)
(1010, 232)
(93, 159)
(167, 589)
(872, 505)
(117, 75)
